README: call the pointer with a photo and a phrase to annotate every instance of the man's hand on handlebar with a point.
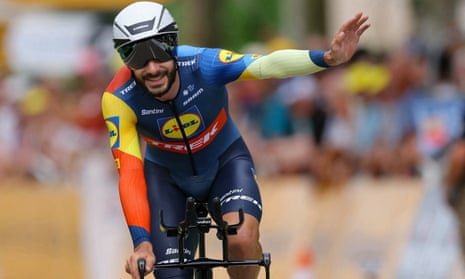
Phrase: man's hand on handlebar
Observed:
(142, 251)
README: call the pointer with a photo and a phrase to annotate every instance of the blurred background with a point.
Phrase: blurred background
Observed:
(360, 166)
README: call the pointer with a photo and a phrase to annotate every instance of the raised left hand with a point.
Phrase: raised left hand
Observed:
(346, 40)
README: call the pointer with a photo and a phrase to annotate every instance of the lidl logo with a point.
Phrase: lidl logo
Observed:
(112, 124)
(190, 124)
(197, 142)
(227, 56)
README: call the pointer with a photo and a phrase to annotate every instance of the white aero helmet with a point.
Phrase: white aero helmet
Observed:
(143, 31)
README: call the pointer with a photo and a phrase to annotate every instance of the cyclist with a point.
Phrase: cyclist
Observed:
(174, 98)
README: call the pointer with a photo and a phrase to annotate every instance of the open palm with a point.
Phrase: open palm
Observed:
(346, 40)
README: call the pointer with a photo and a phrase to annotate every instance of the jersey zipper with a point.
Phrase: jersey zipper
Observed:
(184, 136)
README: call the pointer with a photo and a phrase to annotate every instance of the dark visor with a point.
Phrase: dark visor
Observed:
(136, 55)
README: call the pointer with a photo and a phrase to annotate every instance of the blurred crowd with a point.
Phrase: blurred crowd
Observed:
(379, 115)
(49, 124)
(382, 114)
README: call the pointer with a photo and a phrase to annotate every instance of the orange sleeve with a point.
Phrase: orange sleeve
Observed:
(124, 141)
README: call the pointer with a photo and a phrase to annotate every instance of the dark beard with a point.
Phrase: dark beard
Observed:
(171, 78)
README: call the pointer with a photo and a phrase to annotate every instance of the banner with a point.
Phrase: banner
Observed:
(48, 43)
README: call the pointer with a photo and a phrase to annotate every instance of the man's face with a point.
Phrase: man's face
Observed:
(153, 64)
(157, 77)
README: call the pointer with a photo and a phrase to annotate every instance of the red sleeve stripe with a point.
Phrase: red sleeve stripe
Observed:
(133, 190)
(120, 78)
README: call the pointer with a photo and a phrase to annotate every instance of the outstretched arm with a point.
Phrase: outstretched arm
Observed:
(291, 62)
(346, 40)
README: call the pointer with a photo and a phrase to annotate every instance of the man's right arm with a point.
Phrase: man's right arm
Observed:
(125, 147)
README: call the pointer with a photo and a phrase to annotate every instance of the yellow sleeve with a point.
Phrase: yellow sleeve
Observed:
(121, 123)
(282, 64)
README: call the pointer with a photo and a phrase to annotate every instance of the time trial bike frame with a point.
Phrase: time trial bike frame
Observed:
(199, 219)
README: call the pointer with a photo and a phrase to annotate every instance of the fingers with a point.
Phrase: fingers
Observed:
(357, 24)
(359, 19)
(362, 29)
(362, 25)
(142, 251)
(131, 268)
(346, 40)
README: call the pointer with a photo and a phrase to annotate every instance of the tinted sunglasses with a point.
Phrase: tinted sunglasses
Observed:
(137, 54)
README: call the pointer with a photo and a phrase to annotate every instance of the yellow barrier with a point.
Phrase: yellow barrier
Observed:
(350, 231)
(39, 236)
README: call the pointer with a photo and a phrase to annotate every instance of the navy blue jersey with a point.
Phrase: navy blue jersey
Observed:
(188, 135)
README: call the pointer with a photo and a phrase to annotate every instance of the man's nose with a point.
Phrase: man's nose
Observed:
(152, 65)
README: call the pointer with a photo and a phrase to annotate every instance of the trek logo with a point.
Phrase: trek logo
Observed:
(226, 56)
(197, 143)
(187, 63)
(128, 88)
(112, 124)
(191, 122)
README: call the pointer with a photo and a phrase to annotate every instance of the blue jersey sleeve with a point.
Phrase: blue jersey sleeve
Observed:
(224, 66)
(219, 66)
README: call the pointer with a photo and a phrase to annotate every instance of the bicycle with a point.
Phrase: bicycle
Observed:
(197, 217)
